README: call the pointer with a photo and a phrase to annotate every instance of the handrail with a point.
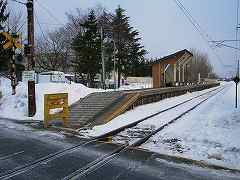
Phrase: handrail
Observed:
(124, 107)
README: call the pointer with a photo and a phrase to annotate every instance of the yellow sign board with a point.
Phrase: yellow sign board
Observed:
(56, 107)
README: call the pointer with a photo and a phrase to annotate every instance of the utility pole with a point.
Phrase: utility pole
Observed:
(238, 69)
(30, 58)
(30, 24)
(103, 61)
(114, 63)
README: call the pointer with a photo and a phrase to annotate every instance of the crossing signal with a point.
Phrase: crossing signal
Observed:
(8, 41)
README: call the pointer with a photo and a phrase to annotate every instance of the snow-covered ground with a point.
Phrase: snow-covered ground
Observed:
(16, 107)
(209, 133)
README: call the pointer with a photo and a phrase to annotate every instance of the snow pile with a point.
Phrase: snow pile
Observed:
(13, 106)
(16, 107)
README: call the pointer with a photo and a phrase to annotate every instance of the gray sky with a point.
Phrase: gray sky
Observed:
(162, 25)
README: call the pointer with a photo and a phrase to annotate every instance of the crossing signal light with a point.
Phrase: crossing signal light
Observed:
(16, 40)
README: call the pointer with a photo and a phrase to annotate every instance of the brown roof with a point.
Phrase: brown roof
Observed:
(177, 54)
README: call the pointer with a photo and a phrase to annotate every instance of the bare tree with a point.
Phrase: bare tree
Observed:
(52, 52)
(200, 64)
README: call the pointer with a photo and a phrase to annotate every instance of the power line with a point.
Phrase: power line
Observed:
(21, 26)
(40, 27)
(53, 24)
(225, 40)
(18, 2)
(225, 45)
(198, 28)
(237, 19)
(49, 13)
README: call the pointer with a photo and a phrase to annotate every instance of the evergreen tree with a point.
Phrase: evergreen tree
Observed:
(3, 15)
(130, 52)
(5, 55)
(87, 46)
(136, 61)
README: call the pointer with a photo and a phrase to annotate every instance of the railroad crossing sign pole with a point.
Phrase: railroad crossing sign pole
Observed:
(11, 41)
(13, 73)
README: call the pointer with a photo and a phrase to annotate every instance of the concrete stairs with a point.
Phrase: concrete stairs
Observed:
(84, 112)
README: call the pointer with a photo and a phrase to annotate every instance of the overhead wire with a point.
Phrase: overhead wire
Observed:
(41, 29)
(198, 28)
(237, 27)
(49, 12)
(51, 15)
(20, 2)
(20, 27)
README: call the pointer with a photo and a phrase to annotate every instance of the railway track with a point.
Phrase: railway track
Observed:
(103, 160)
(98, 163)
(133, 124)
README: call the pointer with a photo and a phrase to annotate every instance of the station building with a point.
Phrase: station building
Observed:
(172, 70)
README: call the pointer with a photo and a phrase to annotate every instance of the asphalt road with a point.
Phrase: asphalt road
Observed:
(20, 146)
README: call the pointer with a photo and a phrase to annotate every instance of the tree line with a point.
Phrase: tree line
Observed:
(81, 44)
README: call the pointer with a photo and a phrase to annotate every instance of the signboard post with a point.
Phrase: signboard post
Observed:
(31, 99)
(29, 78)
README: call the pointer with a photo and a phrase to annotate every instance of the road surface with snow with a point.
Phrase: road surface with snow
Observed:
(22, 145)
